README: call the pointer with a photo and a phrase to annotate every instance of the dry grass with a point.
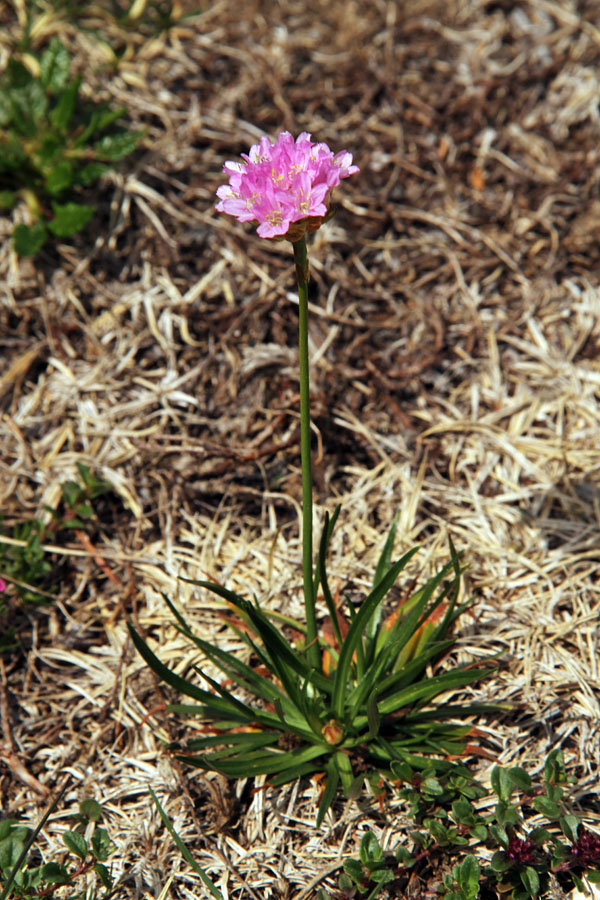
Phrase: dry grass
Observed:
(455, 333)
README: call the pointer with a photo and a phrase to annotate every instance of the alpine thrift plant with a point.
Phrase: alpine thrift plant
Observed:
(355, 696)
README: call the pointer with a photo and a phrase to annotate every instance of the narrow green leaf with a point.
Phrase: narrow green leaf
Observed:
(356, 630)
(321, 577)
(329, 791)
(104, 876)
(372, 716)
(62, 113)
(29, 843)
(102, 846)
(184, 850)
(54, 66)
(284, 660)
(382, 567)
(431, 688)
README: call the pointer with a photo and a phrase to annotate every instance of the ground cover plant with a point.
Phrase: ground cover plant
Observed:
(52, 144)
(453, 328)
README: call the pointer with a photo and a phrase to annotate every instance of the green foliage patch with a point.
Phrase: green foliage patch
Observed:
(53, 143)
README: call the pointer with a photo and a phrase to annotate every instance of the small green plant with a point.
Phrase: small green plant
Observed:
(368, 704)
(23, 560)
(52, 145)
(517, 859)
(88, 847)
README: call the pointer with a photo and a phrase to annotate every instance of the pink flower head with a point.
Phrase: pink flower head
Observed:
(282, 183)
(2, 585)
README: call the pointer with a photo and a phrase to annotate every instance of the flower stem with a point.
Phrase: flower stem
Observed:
(301, 260)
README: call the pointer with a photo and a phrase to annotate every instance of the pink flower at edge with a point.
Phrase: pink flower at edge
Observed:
(279, 184)
(2, 585)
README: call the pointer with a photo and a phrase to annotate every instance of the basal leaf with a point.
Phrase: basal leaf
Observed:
(356, 631)
(62, 113)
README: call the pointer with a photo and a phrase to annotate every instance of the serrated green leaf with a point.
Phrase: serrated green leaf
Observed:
(116, 146)
(539, 836)
(54, 66)
(554, 766)
(69, 218)
(554, 792)
(29, 106)
(28, 239)
(91, 172)
(59, 178)
(76, 843)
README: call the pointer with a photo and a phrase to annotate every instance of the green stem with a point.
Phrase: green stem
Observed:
(301, 260)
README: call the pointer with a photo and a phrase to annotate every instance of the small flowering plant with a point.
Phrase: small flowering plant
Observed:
(355, 694)
(459, 823)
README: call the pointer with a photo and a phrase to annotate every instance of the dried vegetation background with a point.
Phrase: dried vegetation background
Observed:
(455, 337)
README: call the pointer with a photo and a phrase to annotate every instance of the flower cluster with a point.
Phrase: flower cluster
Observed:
(587, 847)
(283, 183)
(521, 850)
